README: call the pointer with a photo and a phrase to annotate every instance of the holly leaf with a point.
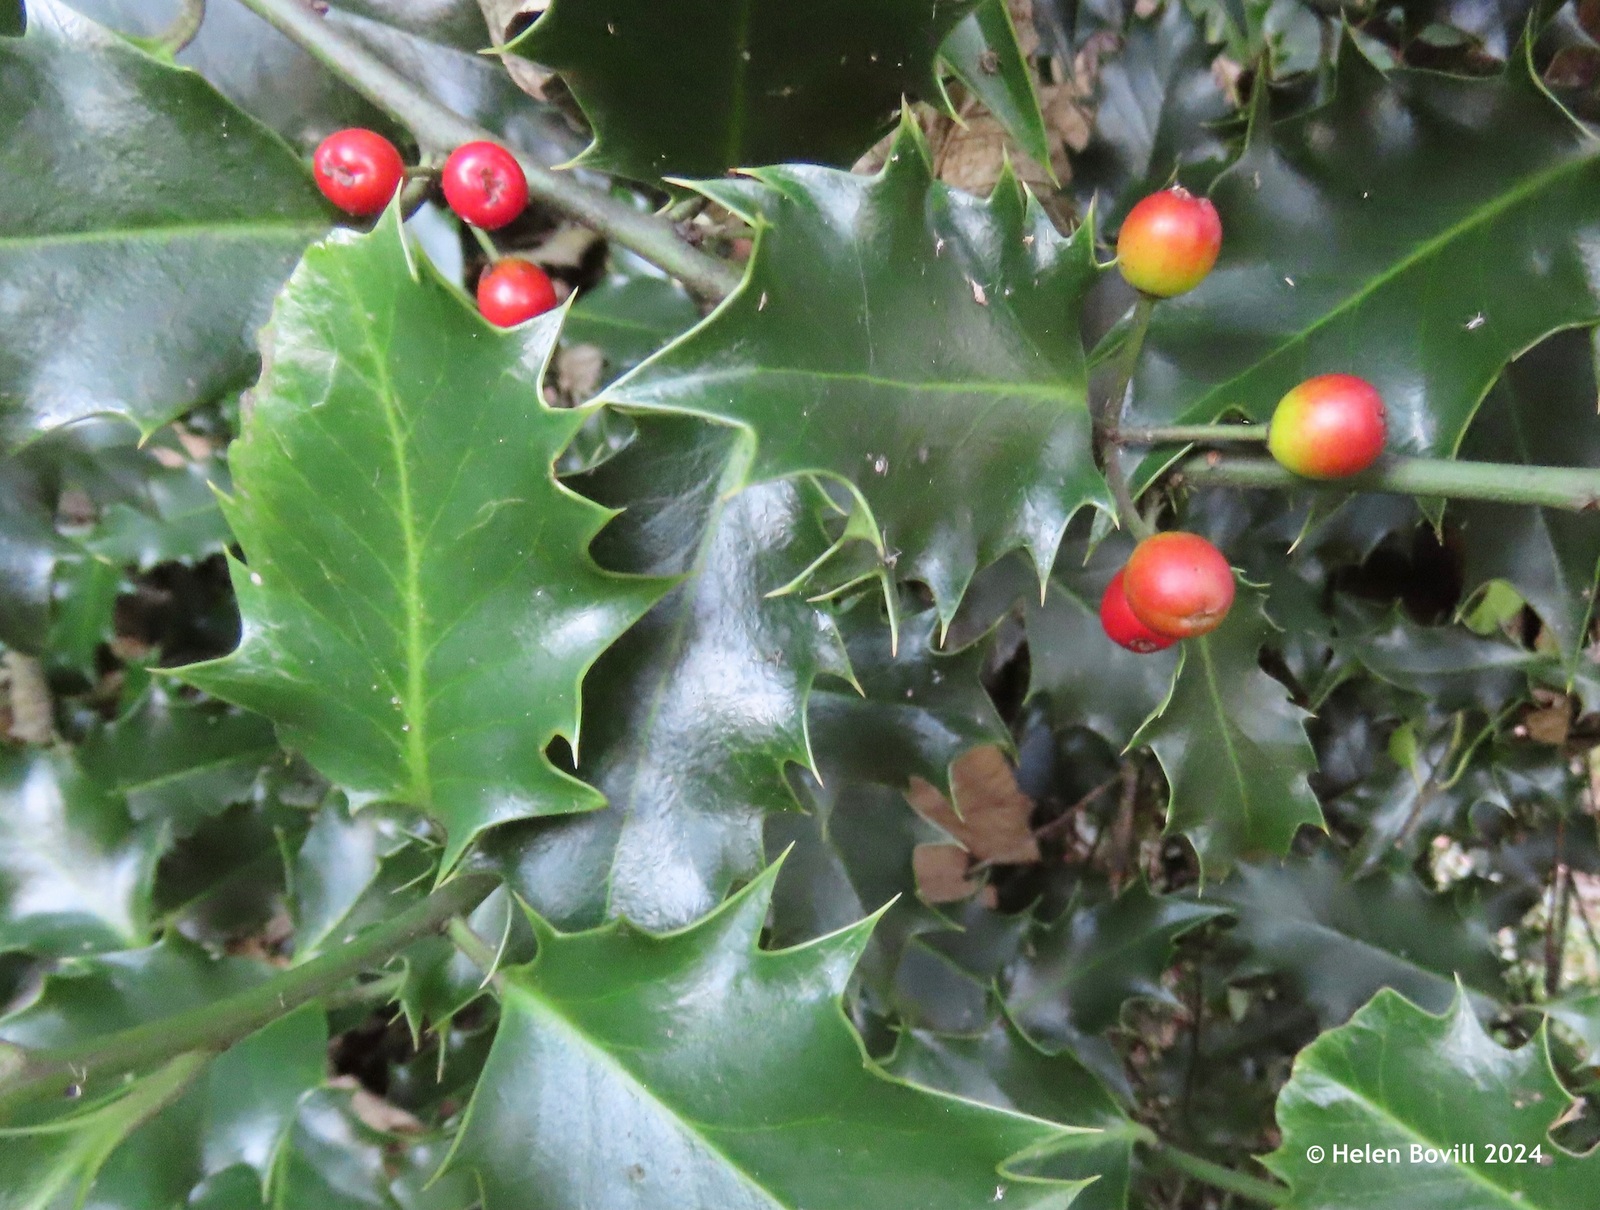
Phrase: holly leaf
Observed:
(687, 1045)
(178, 762)
(1338, 941)
(1540, 413)
(1397, 1077)
(695, 87)
(1233, 746)
(630, 315)
(695, 715)
(1158, 106)
(352, 871)
(916, 345)
(1450, 666)
(419, 604)
(29, 551)
(178, 519)
(1002, 1068)
(140, 279)
(1077, 971)
(984, 53)
(1339, 226)
(75, 869)
(852, 852)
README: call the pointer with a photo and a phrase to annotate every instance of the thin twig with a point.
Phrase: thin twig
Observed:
(184, 26)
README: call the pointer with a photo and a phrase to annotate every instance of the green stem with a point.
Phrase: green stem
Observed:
(184, 26)
(1186, 434)
(1229, 1180)
(486, 242)
(218, 1025)
(1573, 488)
(1110, 420)
(473, 947)
(442, 129)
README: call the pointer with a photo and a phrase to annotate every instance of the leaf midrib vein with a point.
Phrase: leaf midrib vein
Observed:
(172, 231)
(1032, 390)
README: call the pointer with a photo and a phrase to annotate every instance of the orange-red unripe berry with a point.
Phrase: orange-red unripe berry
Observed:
(357, 170)
(1168, 242)
(1329, 427)
(484, 184)
(512, 291)
(1123, 627)
(1178, 584)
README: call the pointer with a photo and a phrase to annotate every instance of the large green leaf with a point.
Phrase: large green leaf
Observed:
(1541, 413)
(695, 87)
(178, 762)
(1078, 971)
(1158, 104)
(1418, 230)
(1000, 1067)
(419, 603)
(1337, 942)
(912, 343)
(693, 718)
(74, 868)
(688, 1048)
(137, 280)
(1396, 1077)
(1233, 746)
(29, 551)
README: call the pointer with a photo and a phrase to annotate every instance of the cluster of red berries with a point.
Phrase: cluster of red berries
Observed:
(360, 171)
(1178, 585)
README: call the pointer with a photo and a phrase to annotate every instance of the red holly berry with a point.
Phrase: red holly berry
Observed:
(357, 170)
(1178, 584)
(1168, 242)
(512, 290)
(1123, 627)
(1329, 427)
(484, 185)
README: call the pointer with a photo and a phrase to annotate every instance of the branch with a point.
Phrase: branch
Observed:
(1573, 488)
(1229, 1180)
(1185, 434)
(218, 1025)
(443, 129)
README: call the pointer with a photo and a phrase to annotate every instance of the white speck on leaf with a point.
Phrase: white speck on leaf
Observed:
(762, 305)
(978, 296)
(1476, 322)
(255, 578)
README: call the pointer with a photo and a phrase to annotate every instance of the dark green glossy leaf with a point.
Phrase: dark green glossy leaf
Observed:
(1338, 941)
(633, 312)
(1233, 746)
(1419, 230)
(1157, 112)
(253, 1091)
(29, 550)
(178, 518)
(1077, 972)
(1541, 413)
(688, 1045)
(419, 604)
(1001, 1068)
(177, 762)
(983, 51)
(353, 871)
(1449, 665)
(685, 88)
(146, 275)
(912, 343)
(694, 716)
(75, 869)
(851, 851)
(1398, 1077)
